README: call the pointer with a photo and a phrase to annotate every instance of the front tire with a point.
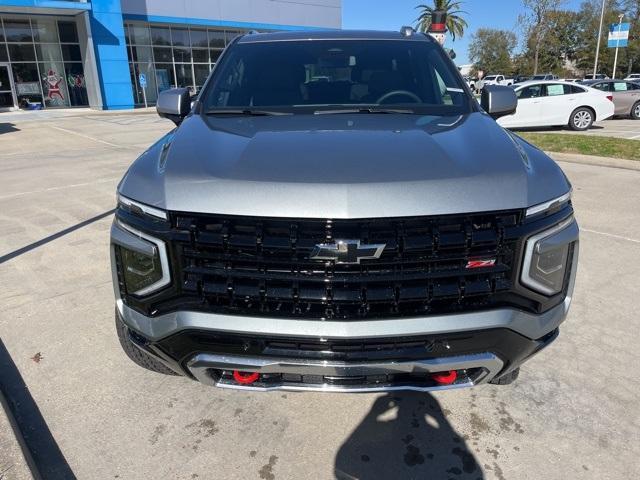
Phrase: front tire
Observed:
(635, 111)
(136, 355)
(581, 119)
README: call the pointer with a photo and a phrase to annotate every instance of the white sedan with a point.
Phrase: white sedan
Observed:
(556, 103)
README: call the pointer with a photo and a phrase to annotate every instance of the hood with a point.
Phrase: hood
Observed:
(342, 166)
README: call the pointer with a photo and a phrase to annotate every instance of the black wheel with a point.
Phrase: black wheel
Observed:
(136, 355)
(635, 111)
(581, 119)
(507, 379)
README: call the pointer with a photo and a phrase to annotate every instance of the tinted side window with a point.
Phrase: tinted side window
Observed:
(633, 86)
(601, 86)
(577, 89)
(532, 91)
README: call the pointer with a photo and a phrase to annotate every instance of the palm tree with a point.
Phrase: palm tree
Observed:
(455, 23)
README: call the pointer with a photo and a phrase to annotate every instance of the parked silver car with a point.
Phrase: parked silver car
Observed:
(626, 95)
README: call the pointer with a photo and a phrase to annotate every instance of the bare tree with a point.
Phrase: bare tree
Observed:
(537, 24)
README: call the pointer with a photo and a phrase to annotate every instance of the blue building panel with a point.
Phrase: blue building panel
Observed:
(107, 31)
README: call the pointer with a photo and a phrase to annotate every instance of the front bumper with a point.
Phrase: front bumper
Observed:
(355, 358)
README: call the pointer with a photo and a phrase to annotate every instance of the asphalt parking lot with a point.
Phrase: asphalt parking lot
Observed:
(574, 412)
(616, 127)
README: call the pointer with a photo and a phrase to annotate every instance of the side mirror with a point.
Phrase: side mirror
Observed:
(498, 101)
(174, 104)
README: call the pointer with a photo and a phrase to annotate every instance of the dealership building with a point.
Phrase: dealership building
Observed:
(111, 54)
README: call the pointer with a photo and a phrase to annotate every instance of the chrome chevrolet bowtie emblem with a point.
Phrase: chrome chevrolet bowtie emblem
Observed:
(347, 251)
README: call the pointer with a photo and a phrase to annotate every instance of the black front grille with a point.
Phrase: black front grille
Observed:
(261, 267)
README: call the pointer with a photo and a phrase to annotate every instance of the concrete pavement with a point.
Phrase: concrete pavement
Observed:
(616, 128)
(572, 414)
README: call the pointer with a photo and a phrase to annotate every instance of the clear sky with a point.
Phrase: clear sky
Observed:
(392, 14)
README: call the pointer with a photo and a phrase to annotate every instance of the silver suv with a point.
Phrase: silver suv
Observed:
(336, 212)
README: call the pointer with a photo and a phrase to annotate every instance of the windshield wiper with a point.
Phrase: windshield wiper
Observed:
(245, 111)
(367, 110)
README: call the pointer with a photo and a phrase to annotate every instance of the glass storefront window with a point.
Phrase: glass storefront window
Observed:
(164, 76)
(215, 55)
(44, 30)
(68, 32)
(201, 74)
(139, 35)
(174, 55)
(45, 60)
(199, 38)
(142, 54)
(216, 39)
(184, 75)
(162, 54)
(54, 84)
(48, 52)
(22, 52)
(136, 70)
(18, 31)
(76, 85)
(71, 53)
(160, 36)
(182, 55)
(200, 55)
(27, 83)
(180, 37)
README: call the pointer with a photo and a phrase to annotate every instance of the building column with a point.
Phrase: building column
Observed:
(109, 44)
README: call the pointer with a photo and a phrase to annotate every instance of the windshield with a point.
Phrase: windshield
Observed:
(303, 76)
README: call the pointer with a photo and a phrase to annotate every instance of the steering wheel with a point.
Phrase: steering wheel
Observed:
(405, 93)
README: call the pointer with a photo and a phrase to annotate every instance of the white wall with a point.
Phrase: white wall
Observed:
(305, 13)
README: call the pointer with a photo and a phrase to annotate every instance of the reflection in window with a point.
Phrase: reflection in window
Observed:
(27, 83)
(76, 84)
(17, 31)
(23, 52)
(68, 32)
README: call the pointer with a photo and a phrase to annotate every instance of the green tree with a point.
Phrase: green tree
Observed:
(560, 45)
(631, 57)
(588, 35)
(537, 25)
(491, 50)
(456, 24)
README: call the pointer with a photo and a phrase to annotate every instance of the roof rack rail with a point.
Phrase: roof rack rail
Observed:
(407, 31)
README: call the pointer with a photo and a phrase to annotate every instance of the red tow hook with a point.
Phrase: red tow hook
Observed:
(245, 378)
(445, 378)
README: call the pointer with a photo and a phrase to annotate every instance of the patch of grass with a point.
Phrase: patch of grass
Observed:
(586, 145)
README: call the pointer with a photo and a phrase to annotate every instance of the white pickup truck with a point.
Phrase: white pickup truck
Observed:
(494, 80)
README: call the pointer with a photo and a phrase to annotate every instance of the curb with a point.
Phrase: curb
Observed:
(597, 161)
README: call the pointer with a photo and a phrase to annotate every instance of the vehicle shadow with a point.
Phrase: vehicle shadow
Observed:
(406, 436)
(6, 127)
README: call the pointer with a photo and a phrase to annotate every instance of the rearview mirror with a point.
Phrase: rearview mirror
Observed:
(498, 101)
(174, 104)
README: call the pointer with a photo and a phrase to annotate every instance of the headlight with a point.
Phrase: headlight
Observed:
(144, 262)
(546, 258)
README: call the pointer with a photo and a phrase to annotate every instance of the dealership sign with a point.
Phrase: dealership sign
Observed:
(619, 35)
